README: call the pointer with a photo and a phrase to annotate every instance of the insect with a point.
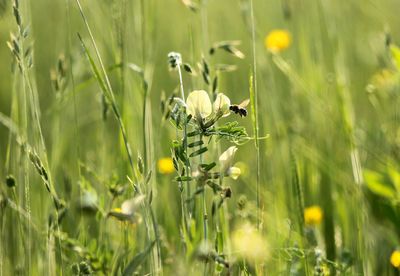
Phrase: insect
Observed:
(240, 108)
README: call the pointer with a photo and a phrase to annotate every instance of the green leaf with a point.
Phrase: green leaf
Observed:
(206, 78)
(220, 242)
(396, 55)
(120, 216)
(208, 167)
(194, 144)
(119, 262)
(215, 84)
(216, 187)
(205, 66)
(95, 70)
(198, 152)
(183, 178)
(137, 260)
(395, 178)
(379, 184)
(179, 151)
(193, 133)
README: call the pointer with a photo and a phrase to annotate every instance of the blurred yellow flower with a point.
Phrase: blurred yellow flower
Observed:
(395, 258)
(117, 210)
(165, 165)
(312, 215)
(381, 80)
(250, 243)
(277, 40)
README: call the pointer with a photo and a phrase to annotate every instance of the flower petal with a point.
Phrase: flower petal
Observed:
(234, 172)
(226, 158)
(222, 104)
(198, 103)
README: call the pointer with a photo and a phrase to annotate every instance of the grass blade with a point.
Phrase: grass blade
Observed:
(137, 260)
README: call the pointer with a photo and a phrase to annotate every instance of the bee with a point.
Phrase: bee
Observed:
(240, 108)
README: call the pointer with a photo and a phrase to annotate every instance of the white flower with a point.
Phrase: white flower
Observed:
(226, 160)
(129, 206)
(221, 105)
(198, 104)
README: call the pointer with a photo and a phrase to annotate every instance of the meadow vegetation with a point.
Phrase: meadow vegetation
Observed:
(199, 137)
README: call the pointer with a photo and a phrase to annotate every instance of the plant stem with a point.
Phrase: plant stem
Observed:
(203, 195)
(188, 194)
(255, 114)
(111, 98)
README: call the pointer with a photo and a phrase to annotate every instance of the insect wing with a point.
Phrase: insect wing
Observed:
(244, 103)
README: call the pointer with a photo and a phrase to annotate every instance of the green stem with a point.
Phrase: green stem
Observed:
(111, 98)
(77, 136)
(25, 135)
(255, 114)
(188, 194)
(145, 158)
(203, 195)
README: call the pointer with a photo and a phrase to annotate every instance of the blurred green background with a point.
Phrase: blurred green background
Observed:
(330, 104)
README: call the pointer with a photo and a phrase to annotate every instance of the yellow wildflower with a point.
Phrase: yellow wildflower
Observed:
(165, 165)
(277, 40)
(395, 258)
(313, 215)
(117, 210)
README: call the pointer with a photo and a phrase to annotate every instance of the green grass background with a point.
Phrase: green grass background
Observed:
(318, 101)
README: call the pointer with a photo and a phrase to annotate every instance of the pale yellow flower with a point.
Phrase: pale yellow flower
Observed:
(221, 105)
(395, 258)
(234, 172)
(198, 104)
(277, 40)
(165, 165)
(312, 215)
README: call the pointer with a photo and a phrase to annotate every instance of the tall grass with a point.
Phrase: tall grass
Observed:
(82, 131)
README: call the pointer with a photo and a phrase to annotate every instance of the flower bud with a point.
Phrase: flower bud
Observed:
(226, 158)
